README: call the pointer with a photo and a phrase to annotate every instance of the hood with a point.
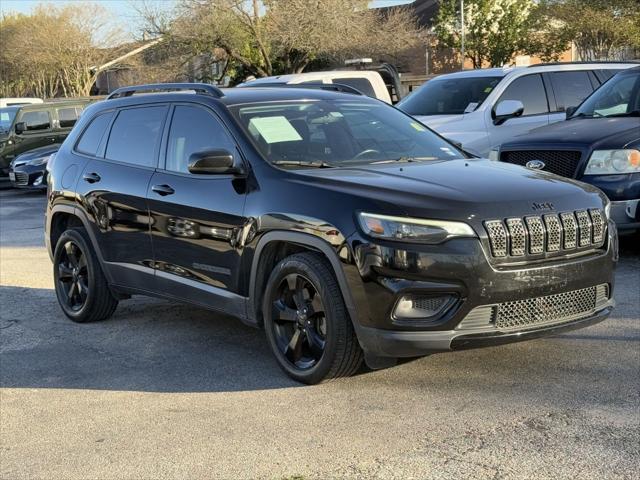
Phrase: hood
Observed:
(35, 153)
(602, 132)
(470, 190)
(435, 121)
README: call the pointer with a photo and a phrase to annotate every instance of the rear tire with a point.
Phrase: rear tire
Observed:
(81, 288)
(306, 321)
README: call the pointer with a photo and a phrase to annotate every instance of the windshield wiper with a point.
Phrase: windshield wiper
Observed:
(405, 159)
(302, 163)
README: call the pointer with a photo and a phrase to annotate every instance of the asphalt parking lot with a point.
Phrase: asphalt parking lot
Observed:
(163, 390)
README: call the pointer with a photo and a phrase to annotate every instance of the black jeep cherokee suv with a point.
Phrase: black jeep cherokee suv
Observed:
(339, 224)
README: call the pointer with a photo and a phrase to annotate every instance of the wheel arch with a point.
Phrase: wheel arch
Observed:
(266, 255)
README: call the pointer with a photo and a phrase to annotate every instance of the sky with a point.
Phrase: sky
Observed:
(124, 10)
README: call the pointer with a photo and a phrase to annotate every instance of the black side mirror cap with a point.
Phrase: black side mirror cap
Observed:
(570, 111)
(20, 128)
(215, 162)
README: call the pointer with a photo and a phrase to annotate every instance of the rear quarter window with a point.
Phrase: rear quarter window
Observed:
(92, 136)
(361, 84)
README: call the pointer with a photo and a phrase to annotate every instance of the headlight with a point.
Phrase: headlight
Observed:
(494, 155)
(415, 230)
(609, 162)
(40, 161)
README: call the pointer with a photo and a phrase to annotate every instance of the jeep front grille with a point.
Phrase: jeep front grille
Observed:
(551, 233)
(538, 311)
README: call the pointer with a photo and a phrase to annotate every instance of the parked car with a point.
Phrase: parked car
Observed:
(29, 170)
(368, 82)
(25, 127)
(12, 102)
(339, 224)
(481, 109)
(599, 144)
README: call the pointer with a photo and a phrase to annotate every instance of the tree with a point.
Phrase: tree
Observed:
(601, 29)
(495, 30)
(271, 37)
(62, 56)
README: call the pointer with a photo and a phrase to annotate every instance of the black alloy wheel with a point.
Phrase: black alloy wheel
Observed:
(306, 321)
(81, 287)
(73, 276)
(299, 321)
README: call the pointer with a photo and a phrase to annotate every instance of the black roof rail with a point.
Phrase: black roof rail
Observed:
(548, 64)
(335, 87)
(201, 88)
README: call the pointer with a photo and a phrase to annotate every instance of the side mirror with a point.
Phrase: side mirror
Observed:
(570, 111)
(507, 109)
(21, 127)
(214, 162)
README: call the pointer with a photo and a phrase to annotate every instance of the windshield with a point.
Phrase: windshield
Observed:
(6, 118)
(336, 132)
(449, 96)
(620, 96)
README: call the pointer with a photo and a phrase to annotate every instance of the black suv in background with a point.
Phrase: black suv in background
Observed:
(341, 225)
(25, 127)
(599, 144)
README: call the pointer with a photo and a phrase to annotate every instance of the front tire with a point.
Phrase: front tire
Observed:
(306, 321)
(81, 288)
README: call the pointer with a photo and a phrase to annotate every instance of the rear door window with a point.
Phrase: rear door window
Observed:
(570, 88)
(36, 120)
(67, 117)
(135, 135)
(529, 90)
(93, 134)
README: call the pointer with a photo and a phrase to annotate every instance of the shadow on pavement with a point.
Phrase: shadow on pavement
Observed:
(148, 345)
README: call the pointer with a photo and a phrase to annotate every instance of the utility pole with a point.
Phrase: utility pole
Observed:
(462, 28)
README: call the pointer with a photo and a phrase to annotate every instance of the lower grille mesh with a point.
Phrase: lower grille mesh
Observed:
(552, 308)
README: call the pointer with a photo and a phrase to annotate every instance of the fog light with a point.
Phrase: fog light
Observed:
(38, 180)
(412, 307)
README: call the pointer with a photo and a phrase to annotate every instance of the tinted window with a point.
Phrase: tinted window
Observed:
(68, 116)
(619, 96)
(361, 84)
(135, 134)
(92, 136)
(6, 117)
(36, 120)
(571, 88)
(449, 96)
(193, 129)
(530, 91)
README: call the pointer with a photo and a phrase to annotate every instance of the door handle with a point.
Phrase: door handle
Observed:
(91, 177)
(163, 190)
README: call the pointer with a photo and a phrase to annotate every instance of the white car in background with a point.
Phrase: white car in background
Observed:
(367, 82)
(481, 109)
(10, 102)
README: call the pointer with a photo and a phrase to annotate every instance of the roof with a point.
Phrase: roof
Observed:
(236, 96)
(481, 72)
(310, 76)
(65, 103)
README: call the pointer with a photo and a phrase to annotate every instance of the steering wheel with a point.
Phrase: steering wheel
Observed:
(364, 153)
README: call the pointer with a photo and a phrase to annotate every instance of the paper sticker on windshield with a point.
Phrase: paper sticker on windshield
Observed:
(418, 126)
(275, 129)
(488, 89)
(471, 107)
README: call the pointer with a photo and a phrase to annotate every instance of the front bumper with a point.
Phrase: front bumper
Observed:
(626, 214)
(384, 273)
(385, 343)
(28, 176)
